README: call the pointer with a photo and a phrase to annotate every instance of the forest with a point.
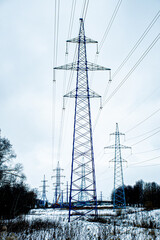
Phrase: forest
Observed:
(142, 194)
(15, 196)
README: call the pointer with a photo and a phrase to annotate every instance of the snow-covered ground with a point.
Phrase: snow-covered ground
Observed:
(133, 224)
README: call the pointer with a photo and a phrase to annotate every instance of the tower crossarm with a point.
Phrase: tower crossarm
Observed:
(77, 40)
(119, 146)
(122, 159)
(124, 147)
(83, 94)
(110, 147)
(88, 67)
(117, 133)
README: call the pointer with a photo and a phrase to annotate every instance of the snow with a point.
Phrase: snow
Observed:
(134, 223)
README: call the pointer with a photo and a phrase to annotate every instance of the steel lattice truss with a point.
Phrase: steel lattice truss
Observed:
(82, 182)
(58, 191)
(44, 197)
(118, 193)
(82, 197)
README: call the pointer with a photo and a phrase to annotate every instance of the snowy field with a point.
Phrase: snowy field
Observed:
(50, 224)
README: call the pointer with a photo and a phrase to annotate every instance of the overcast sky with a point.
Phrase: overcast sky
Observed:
(26, 87)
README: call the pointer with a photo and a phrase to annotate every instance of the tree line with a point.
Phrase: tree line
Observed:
(15, 196)
(142, 194)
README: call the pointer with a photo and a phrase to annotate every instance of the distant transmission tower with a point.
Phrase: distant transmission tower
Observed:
(44, 197)
(58, 195)
(82, 134)
(118, 192)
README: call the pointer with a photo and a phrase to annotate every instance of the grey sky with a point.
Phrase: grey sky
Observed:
(26, 60)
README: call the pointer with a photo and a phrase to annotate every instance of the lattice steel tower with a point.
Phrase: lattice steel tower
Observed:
(44, 197)
(58, 191)
(118, 192)
(82, 152)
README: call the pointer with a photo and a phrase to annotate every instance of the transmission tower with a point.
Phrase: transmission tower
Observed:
(44, 197)
(118, 192)
(58, 198)
(82, 133)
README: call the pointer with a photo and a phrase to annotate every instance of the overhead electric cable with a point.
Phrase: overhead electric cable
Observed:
(64, 81)
(127, 57)
(53, 119)
(133, 68)
(128, 75)
(57, 33)
(71, 18)
(141, 104)
(145, 138)
(84, 9)
(105, 36)
(150, 165)
(84, 16)
(144, 120)
(154, 20)
(148, 160)
(54, 84)
(147, 151)
(97, 54)
(110, 24)
(141, 135)
(55, 54)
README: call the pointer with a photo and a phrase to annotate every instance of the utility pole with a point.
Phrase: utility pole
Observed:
(44, 197)
(58, 192)
(82, 133)
(118, 192)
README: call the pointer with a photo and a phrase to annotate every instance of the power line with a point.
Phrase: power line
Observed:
(148, 160)
(147, 151)
(64, 81)
(137, 44)
(97, 54)
(85, 8)
(145, 138)
(144, 120)
(104, 38)
(55, 23)
(110, 24)
(71, 18)
(55, 54)
(57, 33)
(53, 118)
(127, 76)
(141, 103)
(150, 165)
(143, 134)
(128, 56)
(133, 68)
